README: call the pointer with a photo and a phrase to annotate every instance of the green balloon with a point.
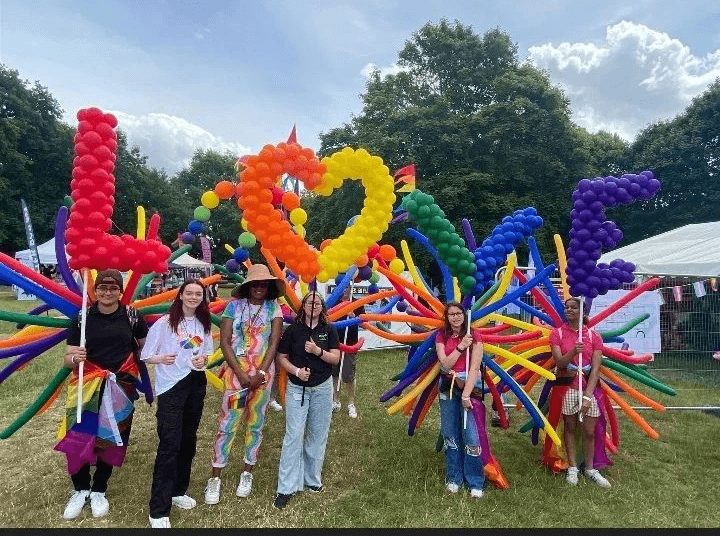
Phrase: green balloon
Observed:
(444, 238)
(202, 214)
(410, 205)
(424, 212)
(374, 278)
(247, 240)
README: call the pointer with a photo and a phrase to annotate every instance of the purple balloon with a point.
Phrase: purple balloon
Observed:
(584, 185)
(598, 187)
(232, 266)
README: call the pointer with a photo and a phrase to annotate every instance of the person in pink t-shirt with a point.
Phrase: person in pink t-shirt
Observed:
(566, 348)
(463, 462)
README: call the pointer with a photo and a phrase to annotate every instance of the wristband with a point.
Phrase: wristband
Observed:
(297, 372)
(585, 397)
(465, 397)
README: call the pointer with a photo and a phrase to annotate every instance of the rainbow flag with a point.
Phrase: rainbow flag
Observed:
(405, 177)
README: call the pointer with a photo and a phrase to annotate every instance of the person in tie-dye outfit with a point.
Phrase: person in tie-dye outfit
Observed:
(249, 335)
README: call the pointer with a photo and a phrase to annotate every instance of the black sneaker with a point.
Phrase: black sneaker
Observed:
(281, 500)
(315, 489)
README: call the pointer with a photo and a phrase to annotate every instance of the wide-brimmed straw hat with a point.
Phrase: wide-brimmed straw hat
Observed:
(257, 272)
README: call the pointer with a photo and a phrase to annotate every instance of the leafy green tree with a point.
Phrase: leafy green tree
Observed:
(206, 169)
(488, 135)
(35, 159)
(684, 154)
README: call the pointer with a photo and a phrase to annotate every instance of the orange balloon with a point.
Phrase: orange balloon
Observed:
(325, 243)
(387, 252)
(290, 201)
(225, 189)
(361, 261)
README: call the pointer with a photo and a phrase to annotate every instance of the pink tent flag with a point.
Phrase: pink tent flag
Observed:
(699, 287)
(677, 292)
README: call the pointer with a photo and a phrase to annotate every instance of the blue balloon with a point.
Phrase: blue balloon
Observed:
(195, 227)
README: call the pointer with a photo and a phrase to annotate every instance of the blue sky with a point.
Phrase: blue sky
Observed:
(237, 75)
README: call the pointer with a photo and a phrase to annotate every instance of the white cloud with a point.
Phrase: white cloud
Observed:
(384, 71)
(169, 141)
(638, 75)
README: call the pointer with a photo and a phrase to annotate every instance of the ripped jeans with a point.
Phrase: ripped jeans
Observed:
(463, 462)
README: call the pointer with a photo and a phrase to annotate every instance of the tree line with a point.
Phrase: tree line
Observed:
(488, 134)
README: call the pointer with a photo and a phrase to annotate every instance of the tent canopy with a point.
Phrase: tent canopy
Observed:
(186, 261)
(46, 252)
(692, 250)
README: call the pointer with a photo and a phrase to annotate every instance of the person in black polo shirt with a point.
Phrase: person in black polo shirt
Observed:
(307, 351)
(113, 332)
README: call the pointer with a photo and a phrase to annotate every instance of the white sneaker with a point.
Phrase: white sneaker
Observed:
(99, 504)
(594, 474)
(476, 493)
(352, 412)
(572, 475)
(76, 503)
(274, 404)
(212, 491)
(336, 406)
(245, 485)
(184, 501)
(452, 488)
(160, 522)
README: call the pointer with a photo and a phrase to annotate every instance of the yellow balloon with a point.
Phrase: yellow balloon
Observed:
(397, 265)
(243, 224)
(210, 199)
(298, 216)
(300, 230)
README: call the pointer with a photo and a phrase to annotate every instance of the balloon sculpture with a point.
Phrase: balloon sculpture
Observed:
(517, 355)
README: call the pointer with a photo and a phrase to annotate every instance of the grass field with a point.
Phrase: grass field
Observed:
(375, 475)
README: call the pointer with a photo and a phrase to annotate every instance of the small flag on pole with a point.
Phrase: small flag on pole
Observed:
(405, 178)
(713, 284)
(660, 298)
(677, 292)
(699, 287)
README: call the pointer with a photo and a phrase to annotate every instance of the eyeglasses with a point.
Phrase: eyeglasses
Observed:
(107, 288)
(456, 314)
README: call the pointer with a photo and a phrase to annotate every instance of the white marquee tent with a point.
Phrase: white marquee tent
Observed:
(186, 261)
(46, 252)
(692, 251)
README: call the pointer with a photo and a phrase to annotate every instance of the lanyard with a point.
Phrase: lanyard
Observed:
(245, 331)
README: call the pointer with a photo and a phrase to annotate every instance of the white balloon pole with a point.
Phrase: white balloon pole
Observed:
(342, 354)
(580, 362)
(83, 318)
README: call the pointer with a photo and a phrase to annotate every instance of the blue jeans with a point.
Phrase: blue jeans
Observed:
(306, 433)
(463, 461)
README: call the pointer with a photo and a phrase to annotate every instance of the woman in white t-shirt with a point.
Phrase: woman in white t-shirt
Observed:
(249, 335)
(179, 343)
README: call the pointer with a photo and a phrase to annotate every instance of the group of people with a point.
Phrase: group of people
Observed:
(179, 344)
(117, 345)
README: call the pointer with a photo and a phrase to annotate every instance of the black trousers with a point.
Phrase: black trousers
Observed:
(81, 479)
(178, 417)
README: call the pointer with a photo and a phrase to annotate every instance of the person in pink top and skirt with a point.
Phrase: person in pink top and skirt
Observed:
(565, 346)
